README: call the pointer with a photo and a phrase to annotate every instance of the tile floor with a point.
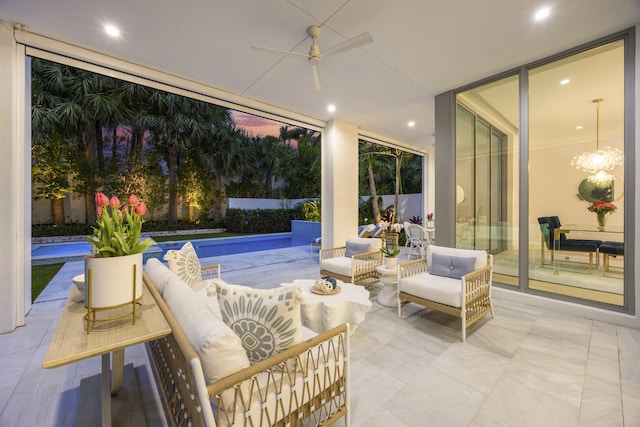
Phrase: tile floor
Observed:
(526, 367)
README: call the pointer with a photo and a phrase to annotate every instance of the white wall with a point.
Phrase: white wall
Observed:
(14, 188)
(339, 188)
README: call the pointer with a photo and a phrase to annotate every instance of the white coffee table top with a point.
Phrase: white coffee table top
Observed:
(323, 312)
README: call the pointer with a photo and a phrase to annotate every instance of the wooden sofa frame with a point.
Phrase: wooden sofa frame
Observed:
(476, 292)
(319, 401)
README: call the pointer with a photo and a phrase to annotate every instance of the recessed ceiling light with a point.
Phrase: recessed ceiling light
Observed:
(112, 30)
(579, 127)
(542, 13)
(564, 81)
(411, 124)
(331, 108)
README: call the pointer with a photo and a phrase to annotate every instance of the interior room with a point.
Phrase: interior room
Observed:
(504, 101)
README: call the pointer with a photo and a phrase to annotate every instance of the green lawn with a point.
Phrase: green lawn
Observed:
(41, 275)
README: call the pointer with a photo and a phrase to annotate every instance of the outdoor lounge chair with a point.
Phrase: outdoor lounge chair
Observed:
(356, 262)
(450, 280)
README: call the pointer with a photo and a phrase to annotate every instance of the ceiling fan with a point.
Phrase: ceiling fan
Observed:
(314, 52)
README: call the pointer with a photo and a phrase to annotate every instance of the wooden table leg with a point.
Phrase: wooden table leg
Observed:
(106, 390)
(117, 367)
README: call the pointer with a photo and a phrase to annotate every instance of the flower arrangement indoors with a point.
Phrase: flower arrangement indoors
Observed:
(602, 208)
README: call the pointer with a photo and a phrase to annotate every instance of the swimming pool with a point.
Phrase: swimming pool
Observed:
(50, 253)
(235, 245)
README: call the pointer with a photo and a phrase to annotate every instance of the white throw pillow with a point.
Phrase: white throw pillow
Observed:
(220, 349)
(185, 264)
(266, 320)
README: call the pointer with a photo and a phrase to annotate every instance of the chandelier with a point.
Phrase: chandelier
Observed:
(599, 161)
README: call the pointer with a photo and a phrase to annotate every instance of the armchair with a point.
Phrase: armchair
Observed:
(554, 238)
(356, 262)
(417, 239)
(450, 280)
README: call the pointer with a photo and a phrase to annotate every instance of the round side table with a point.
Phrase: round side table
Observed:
(388, 295)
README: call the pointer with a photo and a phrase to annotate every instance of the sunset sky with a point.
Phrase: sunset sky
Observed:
(256, 126)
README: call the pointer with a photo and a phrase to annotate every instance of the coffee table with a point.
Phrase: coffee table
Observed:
(323, 312)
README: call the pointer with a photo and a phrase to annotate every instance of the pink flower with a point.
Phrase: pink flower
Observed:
(114, 202)
(101, 199)
(125, 208)
(133, 200)
(141, 209)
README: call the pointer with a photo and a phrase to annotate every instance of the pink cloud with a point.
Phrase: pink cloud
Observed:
(256, 126)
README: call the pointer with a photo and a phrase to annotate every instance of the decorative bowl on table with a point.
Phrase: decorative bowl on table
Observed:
(78, 281)
(325, 286)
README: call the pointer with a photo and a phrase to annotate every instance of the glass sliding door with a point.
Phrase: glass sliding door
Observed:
(487, 174)
(576, 119)
(549, 196)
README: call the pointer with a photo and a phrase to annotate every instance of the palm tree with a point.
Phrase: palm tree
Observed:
(369, 153)
(81, 103)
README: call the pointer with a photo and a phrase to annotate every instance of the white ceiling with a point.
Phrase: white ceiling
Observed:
(420, 47)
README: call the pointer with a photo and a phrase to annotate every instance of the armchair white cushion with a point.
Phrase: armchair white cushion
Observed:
(467, 297)
(360, 268)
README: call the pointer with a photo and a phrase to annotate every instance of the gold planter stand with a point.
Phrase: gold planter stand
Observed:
(112, 312)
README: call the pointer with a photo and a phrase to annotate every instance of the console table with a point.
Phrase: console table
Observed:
(71, 343)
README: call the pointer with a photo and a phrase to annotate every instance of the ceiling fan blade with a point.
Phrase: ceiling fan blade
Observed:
(351, 43)
(316, 77)
(280, 52)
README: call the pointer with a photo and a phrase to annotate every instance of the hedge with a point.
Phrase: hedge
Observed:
(259, 221)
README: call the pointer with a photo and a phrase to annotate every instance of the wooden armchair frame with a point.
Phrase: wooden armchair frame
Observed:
(475, 288)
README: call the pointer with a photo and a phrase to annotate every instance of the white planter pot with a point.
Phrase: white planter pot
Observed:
(390, 263)
(112, 280)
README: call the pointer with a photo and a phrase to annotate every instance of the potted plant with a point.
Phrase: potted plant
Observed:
(116, 266)
(390, 256)
(430, 220)
(601, 209)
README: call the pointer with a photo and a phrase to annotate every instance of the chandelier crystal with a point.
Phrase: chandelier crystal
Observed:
(603, 159)
(601, 178)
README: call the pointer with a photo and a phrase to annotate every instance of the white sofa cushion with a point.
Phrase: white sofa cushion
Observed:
(220, 349)
(185, 263)
(339, 265)
(480, 256)
(159, 274)
(267, 321)
(433, 288)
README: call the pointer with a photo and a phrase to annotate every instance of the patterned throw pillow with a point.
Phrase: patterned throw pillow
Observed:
(185, 264)
(266, 320)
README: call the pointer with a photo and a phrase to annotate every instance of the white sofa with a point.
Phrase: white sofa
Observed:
(451, 280)
(207, 380)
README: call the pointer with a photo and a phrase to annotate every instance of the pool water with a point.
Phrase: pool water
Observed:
(234, 245)
(76, 251)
